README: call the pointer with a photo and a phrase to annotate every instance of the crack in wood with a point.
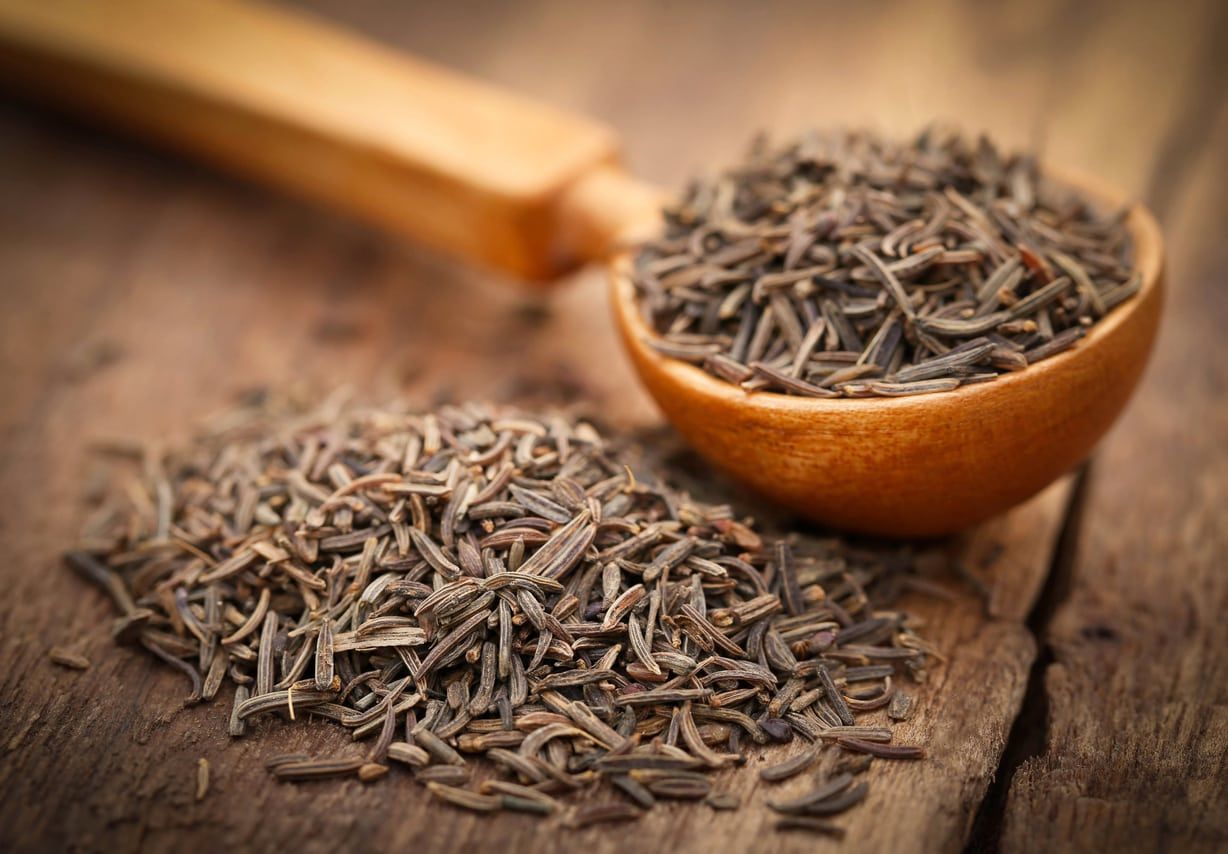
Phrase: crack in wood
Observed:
(1029, 732)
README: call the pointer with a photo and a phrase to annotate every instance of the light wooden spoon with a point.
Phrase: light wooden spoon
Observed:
(930, 464)
(287, 99)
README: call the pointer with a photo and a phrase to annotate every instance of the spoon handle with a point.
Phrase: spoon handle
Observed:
(287, 99)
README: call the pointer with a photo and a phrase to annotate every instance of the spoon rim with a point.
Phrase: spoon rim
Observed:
(1148, 247)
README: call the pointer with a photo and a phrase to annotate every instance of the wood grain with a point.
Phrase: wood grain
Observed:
(1136, 756)
(138, 294)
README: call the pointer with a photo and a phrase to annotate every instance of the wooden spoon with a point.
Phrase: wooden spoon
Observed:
(499, 179)
(930, 464)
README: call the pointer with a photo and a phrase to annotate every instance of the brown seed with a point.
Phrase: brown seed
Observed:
(237, 725)
(316, 769)
(790, 767)
(900, 708)
(68, 658)
(464, 798)
(602, 814)
(439, 750)
(723, 801)
(449, 775)
(883, 751)
(410, 754)
(371, 771)
(202, 778)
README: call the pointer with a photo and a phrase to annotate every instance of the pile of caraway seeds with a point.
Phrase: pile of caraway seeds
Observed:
(481, 583)
(846, 265)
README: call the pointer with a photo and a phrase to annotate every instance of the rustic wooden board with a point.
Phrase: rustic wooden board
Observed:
(138, 294)
(1137, 744)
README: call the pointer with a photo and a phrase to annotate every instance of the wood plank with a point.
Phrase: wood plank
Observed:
(1136, 756)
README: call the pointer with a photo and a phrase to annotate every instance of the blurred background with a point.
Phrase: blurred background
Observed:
(189, 270)
(1114, 87)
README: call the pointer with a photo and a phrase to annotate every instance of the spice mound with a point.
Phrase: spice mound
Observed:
(476, 582)
(849, 265)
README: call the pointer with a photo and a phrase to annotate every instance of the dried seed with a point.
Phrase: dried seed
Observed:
(202, 778)
(463, 797)
(316, 769)
(602, 814)
(68, 658)
(790, 767)
(883, 751)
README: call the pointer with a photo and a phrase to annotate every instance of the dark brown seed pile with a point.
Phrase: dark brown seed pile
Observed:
(476, 582)
(847, 265)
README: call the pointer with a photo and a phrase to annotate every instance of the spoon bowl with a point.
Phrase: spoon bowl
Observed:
(915, 466)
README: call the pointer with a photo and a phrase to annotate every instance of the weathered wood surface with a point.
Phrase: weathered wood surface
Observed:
(1137, 688)
(138, 294)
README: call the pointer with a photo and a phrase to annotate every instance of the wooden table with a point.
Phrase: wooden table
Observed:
(1083, 709)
